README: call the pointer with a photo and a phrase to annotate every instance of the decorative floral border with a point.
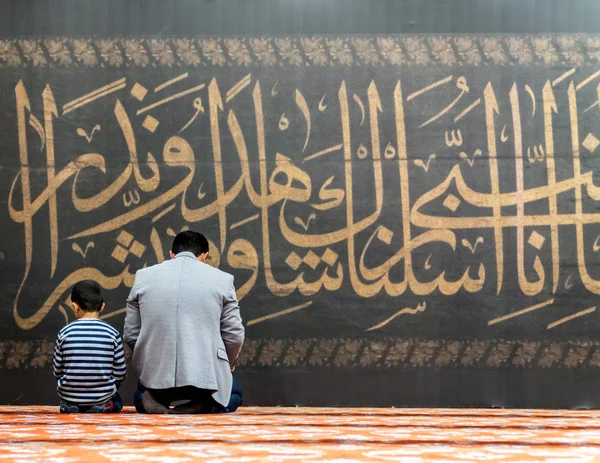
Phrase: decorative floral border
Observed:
(419, 353)
(399, 50)
(367, 353)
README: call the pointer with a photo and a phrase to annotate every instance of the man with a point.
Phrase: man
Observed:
(184, 326)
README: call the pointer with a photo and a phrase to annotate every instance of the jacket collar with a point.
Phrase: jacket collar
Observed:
(186, 254)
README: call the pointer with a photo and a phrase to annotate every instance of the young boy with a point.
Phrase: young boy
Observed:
(89, 363)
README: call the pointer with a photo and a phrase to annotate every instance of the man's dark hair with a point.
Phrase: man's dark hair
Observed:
(87, 294)
(190, 241)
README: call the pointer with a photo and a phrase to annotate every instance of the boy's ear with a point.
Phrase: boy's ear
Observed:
(75, 306)
(102, 308)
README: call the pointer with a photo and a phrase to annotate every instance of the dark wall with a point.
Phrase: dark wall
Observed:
(404, 191)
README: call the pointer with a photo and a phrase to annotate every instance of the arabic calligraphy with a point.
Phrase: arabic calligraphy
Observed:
(299, 201)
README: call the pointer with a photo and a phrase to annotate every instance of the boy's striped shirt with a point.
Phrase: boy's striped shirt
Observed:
(89, 362)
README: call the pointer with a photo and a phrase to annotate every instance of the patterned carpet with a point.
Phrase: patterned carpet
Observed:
(301, 434)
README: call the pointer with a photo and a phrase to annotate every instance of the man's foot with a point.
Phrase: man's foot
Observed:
(66, 407)
(189, 409)
(151, 406)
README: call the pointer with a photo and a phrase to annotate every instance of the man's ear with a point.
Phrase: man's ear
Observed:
(171, 254)
(202, 257)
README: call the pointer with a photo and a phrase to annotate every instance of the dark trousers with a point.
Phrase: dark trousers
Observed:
(195, 395)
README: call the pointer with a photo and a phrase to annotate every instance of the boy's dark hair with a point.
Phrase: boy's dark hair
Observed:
(190, 241)
(87, 294)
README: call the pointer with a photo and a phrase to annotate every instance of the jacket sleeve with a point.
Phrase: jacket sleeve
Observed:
(133, 320)
(232, 329)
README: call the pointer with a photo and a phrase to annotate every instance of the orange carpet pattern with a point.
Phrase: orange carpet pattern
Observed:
(301, 434)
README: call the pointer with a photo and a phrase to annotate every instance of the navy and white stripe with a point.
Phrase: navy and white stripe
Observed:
(89, 362)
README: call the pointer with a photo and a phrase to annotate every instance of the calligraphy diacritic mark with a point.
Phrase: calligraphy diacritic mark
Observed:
(83, 133)
(323, 152)
(503, 136)
(571, 317)
(568, 284)
(469, 108)
(590, 107)
(131, 197)
(279, 314)
(304, 225)
(284, 122)
(530, 92)
(161, 214)
(559, 79)
(201, 194)
(587, 80)
(238, 87)
(172, 233)
(78, 249)
(244, 222)
(390, 151)
(170, 82)
(538, 154)
(303, 105)
(461, 84)
(362, 152)
(93, 96)
(427, 264)
(465, 156)
(170, 98)
(199, 109)
(420, 308)
(322, 106)
(471, 247)
(453, 138)
(429, 87)
(37, 126)
(360, 104)
(423, 164)
(596, 246)
(521, 312)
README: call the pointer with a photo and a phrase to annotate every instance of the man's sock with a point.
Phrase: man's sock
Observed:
(151, 405)
(190, 409)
